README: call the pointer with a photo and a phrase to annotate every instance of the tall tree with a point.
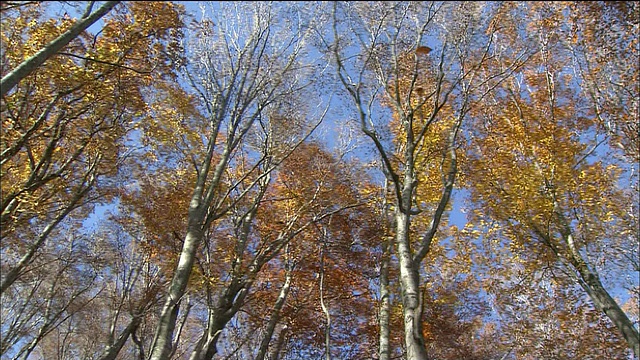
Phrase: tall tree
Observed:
(573, 206)
(541, 311)
(598, 32)
(313, 198)
(393, 60)
(244, 59)
(59, 286)
(64, 127)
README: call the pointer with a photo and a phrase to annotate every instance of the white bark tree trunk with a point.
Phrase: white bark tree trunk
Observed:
(162, 344)
(385, 306)
(275, 317)
(409, 279)
(323, 305)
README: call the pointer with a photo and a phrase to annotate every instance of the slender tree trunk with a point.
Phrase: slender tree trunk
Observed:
(325, 310)
(275, 317)
(162, 343)
(590, 282)
(112, 351)
(207, 347)
(383, 352)
(409, 282)
(409, 272)
(28, 66)
(275, 354)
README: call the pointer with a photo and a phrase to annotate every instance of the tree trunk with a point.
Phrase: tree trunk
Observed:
(409, 272)
(607, 304)
(226, 308)
(383, 352)
(162, 343)
(28, 66)
(112, 351)
(590, 282)
(275, 354)
(409, 282)
(207, 346)
(275, 317)
(325, 309)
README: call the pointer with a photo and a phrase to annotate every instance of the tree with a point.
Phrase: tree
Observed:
(392, 61)
(126, 295)
(276, 314)
(56, 289)
(312, 201)
(26, 67)
(240, 68)
(64, 129)
(562, 201)
(599, 31)
(287, 180)
(133, 292)
(68, 121)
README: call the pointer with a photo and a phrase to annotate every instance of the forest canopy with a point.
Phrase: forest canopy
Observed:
(320, 180)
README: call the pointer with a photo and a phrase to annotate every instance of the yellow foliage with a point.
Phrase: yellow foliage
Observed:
(65, 125)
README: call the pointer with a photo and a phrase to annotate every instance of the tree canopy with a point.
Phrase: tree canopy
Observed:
(335, 180)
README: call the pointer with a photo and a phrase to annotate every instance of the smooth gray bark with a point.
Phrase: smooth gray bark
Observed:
(275, 317)
(409, 278)
(607, 304)
(201, 200)
(385, 306)
(114, 346)
(162, 344)
(235, 293)
(114, 349)
(385, 302)
(25, 68)
(591, 283)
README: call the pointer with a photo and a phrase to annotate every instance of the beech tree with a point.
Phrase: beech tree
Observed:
(572, 208)
(424, 90)
(68, 121)
(600, 31)
(64, 128)
(335, 180)
(242, 63)
(56, 290)
(29, 65)
(113, 323)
